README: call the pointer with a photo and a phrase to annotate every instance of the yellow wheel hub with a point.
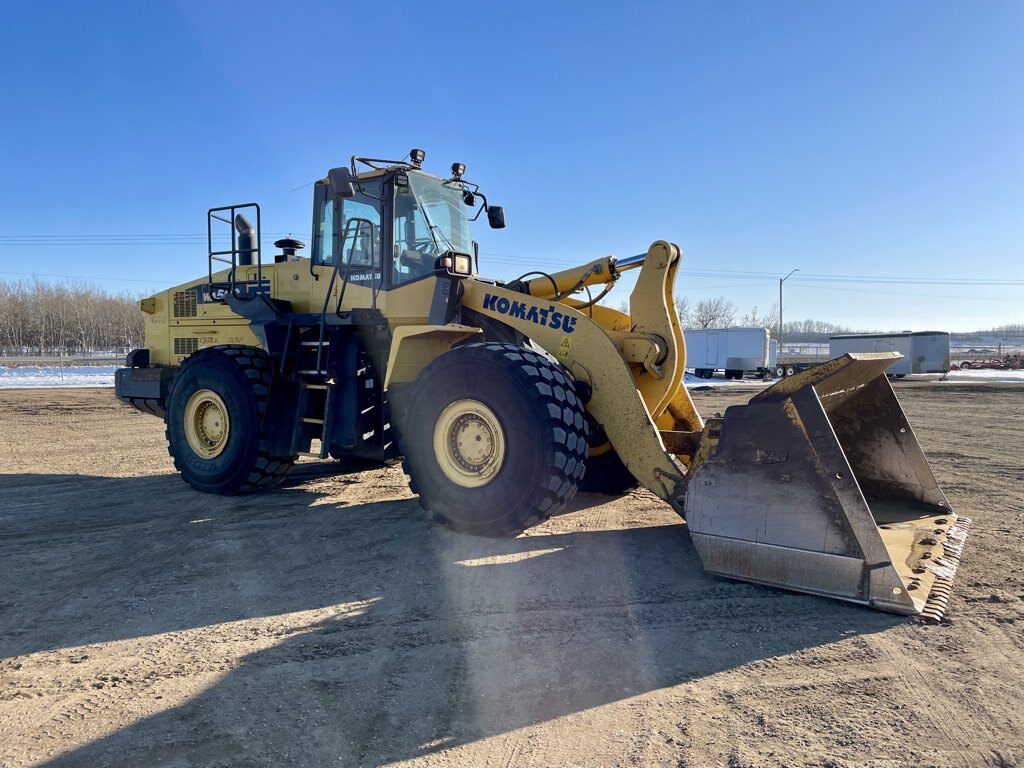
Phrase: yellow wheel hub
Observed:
(207, 425)
(469, 443)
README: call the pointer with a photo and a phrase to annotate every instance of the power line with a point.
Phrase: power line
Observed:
(809, 279)
(90, 277)
(64, 241)
(147, 236)
(920, 295)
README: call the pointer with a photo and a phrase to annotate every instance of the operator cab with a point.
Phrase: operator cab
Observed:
(395, 224)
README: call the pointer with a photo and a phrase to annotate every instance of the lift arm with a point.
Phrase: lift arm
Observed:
(590, 352)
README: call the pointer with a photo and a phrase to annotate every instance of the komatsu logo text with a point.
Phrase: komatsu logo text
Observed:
(546, 316)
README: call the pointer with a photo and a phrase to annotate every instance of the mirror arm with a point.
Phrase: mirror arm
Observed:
(483, 206)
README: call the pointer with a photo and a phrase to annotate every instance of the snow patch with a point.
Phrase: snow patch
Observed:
(48, 377)
(985, 376)
(719, 381)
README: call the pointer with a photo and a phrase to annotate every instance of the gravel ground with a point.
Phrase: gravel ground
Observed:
(330, 623)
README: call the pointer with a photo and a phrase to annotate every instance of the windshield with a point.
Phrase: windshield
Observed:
(431, 217)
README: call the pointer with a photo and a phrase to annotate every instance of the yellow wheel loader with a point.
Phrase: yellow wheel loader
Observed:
(505, 398)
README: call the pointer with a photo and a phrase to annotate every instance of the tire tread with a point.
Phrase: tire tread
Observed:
(562, 418)
(268, 470)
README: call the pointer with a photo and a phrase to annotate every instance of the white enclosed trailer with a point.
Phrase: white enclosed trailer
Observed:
(735, 351)
(923, 351)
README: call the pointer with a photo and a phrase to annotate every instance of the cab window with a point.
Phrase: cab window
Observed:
(415, 245)
(323, 237)
(356, 235)
(359, 236)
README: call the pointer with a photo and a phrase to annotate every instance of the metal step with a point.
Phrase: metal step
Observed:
(322, 454)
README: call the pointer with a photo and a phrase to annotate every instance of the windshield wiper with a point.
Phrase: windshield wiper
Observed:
(435, 231)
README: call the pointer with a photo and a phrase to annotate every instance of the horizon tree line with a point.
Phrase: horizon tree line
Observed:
(66, 317)
(74, 317)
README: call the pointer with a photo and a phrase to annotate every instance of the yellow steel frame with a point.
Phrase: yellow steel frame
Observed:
(593, 355)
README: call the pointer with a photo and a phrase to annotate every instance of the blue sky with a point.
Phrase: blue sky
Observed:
(876, 146)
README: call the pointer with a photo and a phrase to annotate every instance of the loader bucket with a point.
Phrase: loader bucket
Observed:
(819, 485)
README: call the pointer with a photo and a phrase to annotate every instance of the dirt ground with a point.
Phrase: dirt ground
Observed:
(330, 623)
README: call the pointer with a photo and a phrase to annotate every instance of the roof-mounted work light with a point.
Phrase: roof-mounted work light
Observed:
(457, 170)
(417, 156)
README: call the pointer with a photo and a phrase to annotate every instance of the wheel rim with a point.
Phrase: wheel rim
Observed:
(469, 443)
(207, 424)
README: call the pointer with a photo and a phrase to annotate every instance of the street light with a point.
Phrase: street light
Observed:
(781, 281)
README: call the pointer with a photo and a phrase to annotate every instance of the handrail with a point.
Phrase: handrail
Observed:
(255, 251)
(334, 277)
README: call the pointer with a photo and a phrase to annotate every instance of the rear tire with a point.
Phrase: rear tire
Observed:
(215, 421)
(494, 438)
(779, 371)
(790, 370)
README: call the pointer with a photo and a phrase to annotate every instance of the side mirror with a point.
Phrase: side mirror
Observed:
(469, 198)
(342, 182)
(496, 217)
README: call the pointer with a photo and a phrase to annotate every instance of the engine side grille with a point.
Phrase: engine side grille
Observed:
(185, 345)
(184, 304)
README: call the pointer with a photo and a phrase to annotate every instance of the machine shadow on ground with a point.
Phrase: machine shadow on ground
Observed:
(459, 638)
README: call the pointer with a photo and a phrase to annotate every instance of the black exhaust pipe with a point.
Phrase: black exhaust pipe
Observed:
(246, 240)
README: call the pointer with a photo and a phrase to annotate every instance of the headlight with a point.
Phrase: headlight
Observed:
(456, 264)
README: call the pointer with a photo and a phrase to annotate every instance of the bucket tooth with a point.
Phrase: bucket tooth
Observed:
(819, 485)
(938, 598)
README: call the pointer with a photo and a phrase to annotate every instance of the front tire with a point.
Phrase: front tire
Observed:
(216, 420)
(494, 438)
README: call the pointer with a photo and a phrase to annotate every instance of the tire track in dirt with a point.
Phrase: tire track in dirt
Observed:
(593, 640)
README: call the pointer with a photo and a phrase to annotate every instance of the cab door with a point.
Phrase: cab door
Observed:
(347, 235)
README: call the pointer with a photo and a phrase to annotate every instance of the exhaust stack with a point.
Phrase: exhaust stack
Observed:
(246, 240)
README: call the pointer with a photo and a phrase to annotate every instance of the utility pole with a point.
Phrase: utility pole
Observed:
(781, 281)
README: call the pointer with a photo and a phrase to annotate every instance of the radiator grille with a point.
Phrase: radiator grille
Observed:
(185, 345)
(184, 303)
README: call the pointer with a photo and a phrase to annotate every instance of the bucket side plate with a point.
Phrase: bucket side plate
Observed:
(823, 488)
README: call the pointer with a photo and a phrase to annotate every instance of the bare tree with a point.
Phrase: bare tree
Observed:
(684, 310)
(47, 318)
(713, 313)
(769, 319)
